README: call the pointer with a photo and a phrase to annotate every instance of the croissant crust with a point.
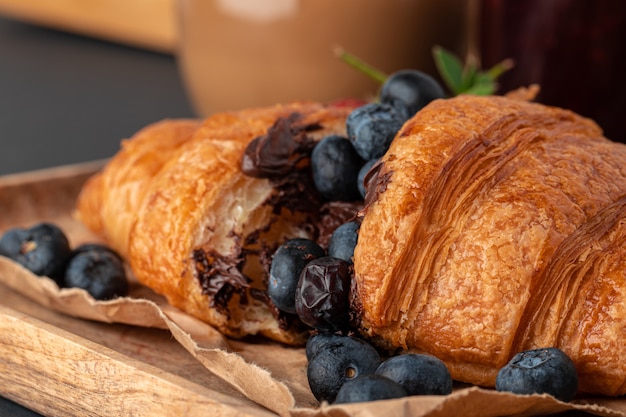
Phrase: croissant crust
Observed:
(195, 228)
(492, 226)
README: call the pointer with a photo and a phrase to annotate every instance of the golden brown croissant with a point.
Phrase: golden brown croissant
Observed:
(196, 228)
(110, 200)
(492, 226)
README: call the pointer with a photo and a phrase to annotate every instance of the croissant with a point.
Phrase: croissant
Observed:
(196, 228)
(493, 226)
(110, 199)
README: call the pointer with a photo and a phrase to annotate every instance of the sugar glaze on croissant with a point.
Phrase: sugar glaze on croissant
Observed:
(492, 226)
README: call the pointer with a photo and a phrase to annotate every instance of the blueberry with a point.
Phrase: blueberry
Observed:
(411, 89)
(372, 127)
(418, 374)
(316, 342)
(322, 294)
(361, 176)
(369, 388)
(86, 247)
(541, 371)
(99, 271)
(287, 263)
(343, 241)
(11, 242)
(335, 166)
(339, 359)
(43, 249)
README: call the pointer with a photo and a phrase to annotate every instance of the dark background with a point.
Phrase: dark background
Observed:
(574, 49)
(67, 99)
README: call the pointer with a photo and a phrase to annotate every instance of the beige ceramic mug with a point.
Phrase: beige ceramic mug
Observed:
(242, 53)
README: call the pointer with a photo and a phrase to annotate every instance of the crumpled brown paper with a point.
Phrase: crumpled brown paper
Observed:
(275, 377)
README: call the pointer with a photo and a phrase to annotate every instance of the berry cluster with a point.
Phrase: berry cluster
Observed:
(44, 249)
(344, 369)
(315, 284)
(339, 165)
(303, 278)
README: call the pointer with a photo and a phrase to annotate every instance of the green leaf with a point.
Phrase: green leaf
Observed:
(360, 65)
(481, 89)
(470, 73)
(459, 77)
(500, 68)
(468, 78)
(450, 68)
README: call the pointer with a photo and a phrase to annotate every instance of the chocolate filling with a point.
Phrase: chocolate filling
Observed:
(332, 215)
(376, 181)
(220, 277)
(282, 156)
(281, 150)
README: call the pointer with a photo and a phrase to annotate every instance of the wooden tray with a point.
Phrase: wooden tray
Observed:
(63, 366)
(58, 365)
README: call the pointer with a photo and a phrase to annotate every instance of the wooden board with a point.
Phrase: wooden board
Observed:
(59, 366)
(63, 366)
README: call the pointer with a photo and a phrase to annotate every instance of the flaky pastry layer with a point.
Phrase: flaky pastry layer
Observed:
(194, 227)
(496, 225)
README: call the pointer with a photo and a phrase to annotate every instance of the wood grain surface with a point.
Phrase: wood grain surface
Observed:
(61, 366)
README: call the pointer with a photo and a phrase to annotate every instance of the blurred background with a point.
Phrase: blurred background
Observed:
(575, 50)
(70, 93)
(76, 77)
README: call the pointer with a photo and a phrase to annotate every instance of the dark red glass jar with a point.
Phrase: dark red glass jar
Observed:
(574, 49)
